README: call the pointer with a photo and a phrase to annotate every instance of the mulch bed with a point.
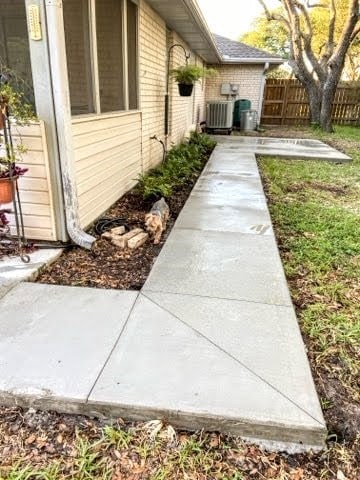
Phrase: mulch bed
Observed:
(107, 266)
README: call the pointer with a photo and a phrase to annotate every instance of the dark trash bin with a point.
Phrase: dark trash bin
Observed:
(239, 106)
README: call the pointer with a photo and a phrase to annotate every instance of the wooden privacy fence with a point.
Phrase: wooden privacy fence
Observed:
(286, 103)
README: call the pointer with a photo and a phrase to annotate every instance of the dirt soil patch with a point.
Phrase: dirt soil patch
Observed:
(50, 446)
(337, 190)
(107, 266)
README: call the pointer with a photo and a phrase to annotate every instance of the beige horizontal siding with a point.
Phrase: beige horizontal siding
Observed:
(34, 186)
(107, 160)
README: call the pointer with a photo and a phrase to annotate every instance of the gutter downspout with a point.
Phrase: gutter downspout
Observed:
(262, 88)
(60, 86)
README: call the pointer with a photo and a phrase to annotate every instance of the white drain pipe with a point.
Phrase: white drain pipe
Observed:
(61, 95)
(262, 89)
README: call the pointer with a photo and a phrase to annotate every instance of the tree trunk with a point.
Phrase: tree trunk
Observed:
(314, 95)
(328, 96)
(325, 114)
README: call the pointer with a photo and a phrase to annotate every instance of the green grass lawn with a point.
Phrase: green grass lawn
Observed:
(315, 209)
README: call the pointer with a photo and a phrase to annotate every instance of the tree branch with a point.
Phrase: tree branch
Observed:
(347, 34)
(332, 22)
(271, 15)
(355, 33)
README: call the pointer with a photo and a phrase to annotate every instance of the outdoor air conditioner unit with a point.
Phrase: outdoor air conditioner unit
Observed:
(219, 115)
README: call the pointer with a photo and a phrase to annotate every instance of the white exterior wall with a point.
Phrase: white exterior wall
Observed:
(248, 76)
(111, 150)
(152, 78)
(34, 186)
(107, 160)
(185, 112)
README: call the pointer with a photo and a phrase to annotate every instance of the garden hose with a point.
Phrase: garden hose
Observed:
(105, 224)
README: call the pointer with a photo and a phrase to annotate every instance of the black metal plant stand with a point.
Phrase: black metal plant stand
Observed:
(19, 238)
(167, 94)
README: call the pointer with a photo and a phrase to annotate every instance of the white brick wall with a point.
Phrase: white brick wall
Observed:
(184, 112)
(152, 68)
(248, 76)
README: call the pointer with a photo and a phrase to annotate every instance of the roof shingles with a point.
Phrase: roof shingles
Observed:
(232, 50)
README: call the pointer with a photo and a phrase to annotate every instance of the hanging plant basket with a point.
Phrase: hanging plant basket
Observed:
(6, 190)
(185, 89)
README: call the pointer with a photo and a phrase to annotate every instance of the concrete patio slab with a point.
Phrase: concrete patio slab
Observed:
(246, 339)
(163, 367)
(55, 340)
(220, 264)
(13, 270)
(284, 147)
(209, 213)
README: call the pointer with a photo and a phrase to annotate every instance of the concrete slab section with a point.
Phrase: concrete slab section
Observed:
(284, 147)
(55, 340)
(161, 368)
(230, 186)
(210, 213)
(220, 264)
(232, 164)
(265, 339)
(13, 270)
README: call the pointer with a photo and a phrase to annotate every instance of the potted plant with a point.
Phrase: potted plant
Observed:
(187, 75)
(13, 110)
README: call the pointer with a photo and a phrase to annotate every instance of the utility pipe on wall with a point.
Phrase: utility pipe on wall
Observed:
(61, 95)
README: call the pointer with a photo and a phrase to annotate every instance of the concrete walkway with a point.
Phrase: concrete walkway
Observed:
(210, 342)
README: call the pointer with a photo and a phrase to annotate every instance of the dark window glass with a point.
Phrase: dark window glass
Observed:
(110, 54)
(76, 24)
(132, 53)
(14, 47)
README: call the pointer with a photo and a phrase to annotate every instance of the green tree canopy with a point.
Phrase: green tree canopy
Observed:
(271, 37)
(274, 36)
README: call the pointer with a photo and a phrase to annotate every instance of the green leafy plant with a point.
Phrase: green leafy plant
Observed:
(13, 110)
(189, 74)
(182, 164)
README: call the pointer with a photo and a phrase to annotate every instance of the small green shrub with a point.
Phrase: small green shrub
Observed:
(183, 163)
(154, 186)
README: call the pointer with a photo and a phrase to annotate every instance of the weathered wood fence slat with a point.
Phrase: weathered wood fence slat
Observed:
(286, 103)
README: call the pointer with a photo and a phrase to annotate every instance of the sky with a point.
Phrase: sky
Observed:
(231, 18)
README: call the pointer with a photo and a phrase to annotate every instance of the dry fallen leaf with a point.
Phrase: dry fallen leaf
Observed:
(31, 439)
(214, 441)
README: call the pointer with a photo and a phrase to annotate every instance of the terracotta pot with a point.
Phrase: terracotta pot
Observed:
(185, 90)
(6, 190)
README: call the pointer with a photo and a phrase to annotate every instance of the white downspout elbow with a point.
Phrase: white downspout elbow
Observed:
(61, 95)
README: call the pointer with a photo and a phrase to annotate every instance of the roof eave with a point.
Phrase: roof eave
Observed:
(203, 44)
(272, 61)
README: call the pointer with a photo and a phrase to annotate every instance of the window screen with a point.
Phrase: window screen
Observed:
(76, 24)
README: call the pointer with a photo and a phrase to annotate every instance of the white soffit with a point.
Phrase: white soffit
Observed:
(185, 17)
